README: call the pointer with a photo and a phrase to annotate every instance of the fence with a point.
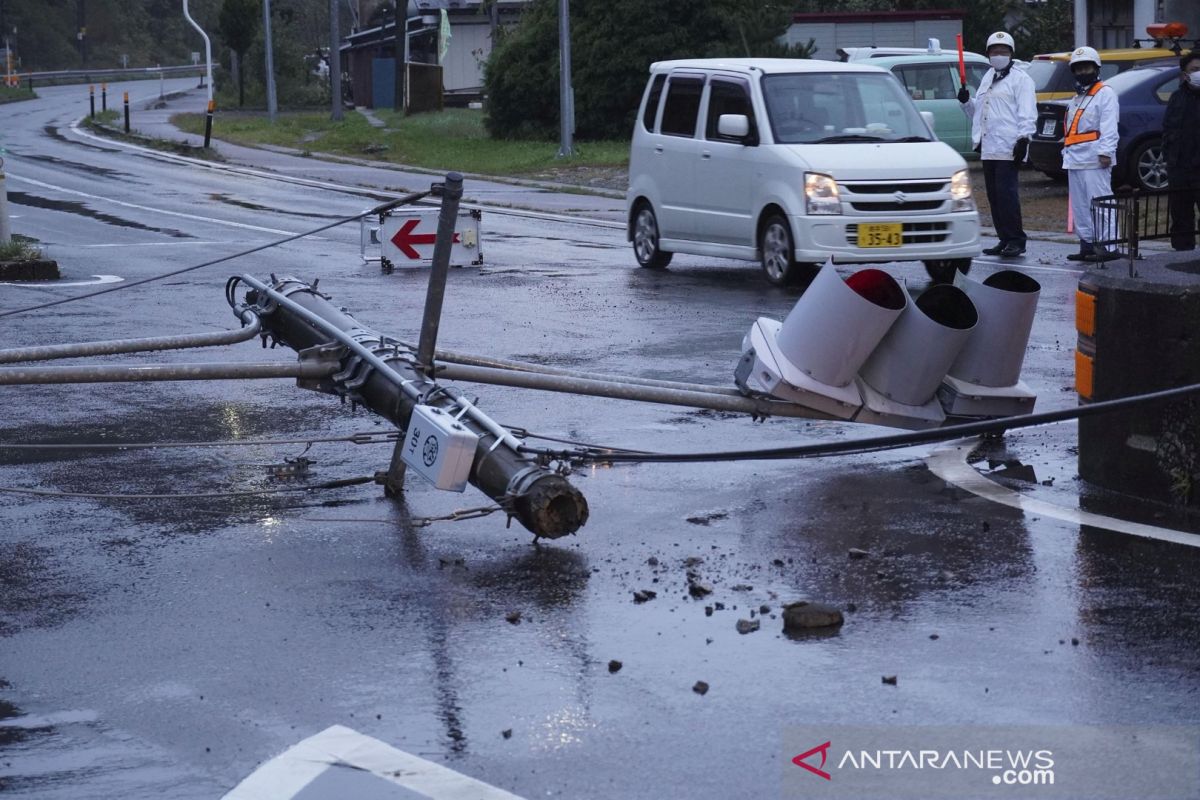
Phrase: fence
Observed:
(1123, 221)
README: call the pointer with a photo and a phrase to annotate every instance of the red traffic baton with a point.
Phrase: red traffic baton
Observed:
(962, 63)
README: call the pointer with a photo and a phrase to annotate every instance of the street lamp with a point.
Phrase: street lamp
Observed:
(208, 72)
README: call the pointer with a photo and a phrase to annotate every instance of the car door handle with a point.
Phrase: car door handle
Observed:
(658, 148)
(706, 154)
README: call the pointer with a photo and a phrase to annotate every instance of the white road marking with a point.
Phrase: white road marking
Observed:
(98, 280)
(193, 217)
(337, 746)
(188, 243)
(1016, 265)
(950, 464)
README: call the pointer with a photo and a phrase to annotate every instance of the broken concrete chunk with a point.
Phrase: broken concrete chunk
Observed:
(514, 617)
(805, 615)
(615, 666)
(854, 552)
(747, 625)
(890, 680)
(700, 687)
(642, 595)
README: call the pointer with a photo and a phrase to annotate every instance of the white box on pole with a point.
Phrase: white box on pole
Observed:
(439, 448)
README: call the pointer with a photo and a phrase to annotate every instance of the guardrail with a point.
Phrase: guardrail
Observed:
(96, 75)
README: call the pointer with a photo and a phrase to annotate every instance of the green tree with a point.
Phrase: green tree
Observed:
(1047, 28)
(613, 43)
(238, 24)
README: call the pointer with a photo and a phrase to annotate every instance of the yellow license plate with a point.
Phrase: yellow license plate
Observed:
(880, 234)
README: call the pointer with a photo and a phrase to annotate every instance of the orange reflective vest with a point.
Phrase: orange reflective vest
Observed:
(1073, 135)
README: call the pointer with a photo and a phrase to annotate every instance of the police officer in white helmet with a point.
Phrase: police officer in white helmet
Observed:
(1003, 116)
(1089, 154)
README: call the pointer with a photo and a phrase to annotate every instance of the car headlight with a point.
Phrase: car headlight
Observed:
(821, 194)
(960, 192)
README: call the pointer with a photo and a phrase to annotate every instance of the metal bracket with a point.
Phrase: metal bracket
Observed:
(327, 353)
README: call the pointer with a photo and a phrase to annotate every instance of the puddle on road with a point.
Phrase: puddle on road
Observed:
(73, 207)
(224, 198)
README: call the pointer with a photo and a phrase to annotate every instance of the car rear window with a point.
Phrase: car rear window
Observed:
(683, 105)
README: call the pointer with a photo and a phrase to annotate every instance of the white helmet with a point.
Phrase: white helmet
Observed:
(1000, 37)
(1085, 54)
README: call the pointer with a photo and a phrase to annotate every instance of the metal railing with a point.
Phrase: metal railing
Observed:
(62, 76)
(1121, 222)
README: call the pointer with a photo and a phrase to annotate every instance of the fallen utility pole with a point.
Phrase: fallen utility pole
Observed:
(375, 371)
(141, 373)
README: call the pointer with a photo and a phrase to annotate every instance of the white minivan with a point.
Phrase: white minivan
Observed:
(791, 162)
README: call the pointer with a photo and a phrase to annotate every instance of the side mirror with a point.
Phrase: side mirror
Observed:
(736, 126)
(928, 117)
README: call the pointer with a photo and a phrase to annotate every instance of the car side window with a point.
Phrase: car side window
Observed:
(683, 105)
(727, 97)
(651, 112)
(928, 81)
(1165, 90)
(975, 73)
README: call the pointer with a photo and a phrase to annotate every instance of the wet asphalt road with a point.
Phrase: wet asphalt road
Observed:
(166, 647)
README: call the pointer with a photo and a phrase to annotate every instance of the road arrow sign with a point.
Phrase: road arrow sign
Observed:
(405, 238)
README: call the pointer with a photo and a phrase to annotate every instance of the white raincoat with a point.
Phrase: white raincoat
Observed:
(1002, 112)
(1100, 112)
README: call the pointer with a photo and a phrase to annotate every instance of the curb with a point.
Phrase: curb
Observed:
(36, 270)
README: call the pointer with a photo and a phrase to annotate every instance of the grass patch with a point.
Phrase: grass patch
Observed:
(454, 139)
(9, 94)
(19, 250)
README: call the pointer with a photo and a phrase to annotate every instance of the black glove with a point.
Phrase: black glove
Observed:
(963, 95)
(1020, 149)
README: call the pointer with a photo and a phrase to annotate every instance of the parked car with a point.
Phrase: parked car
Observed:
(876, 51)
(791, 162)
(1051, 72)
(1143, 93)
(932, 81)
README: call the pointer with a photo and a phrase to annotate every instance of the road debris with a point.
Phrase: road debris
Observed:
(804, 615)
(745, 626)
(700, 688)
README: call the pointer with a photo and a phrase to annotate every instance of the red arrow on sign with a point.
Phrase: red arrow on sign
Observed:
(404, 239)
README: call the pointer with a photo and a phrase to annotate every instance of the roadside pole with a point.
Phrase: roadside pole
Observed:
(566, 95)
(271, 107)
(5, 227)
(335, 61)
(208, 119)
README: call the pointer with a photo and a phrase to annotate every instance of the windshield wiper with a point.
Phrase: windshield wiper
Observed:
(846, 137)
(914, 139)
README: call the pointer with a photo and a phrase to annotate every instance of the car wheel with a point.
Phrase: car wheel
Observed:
(775, 251)
(1148, 165)
(645, 239)
(941, 270)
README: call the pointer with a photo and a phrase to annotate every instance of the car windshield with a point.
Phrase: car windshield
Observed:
(828, 108)
(1043, 73)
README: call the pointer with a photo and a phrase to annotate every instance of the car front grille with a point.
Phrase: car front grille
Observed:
(877, 198)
